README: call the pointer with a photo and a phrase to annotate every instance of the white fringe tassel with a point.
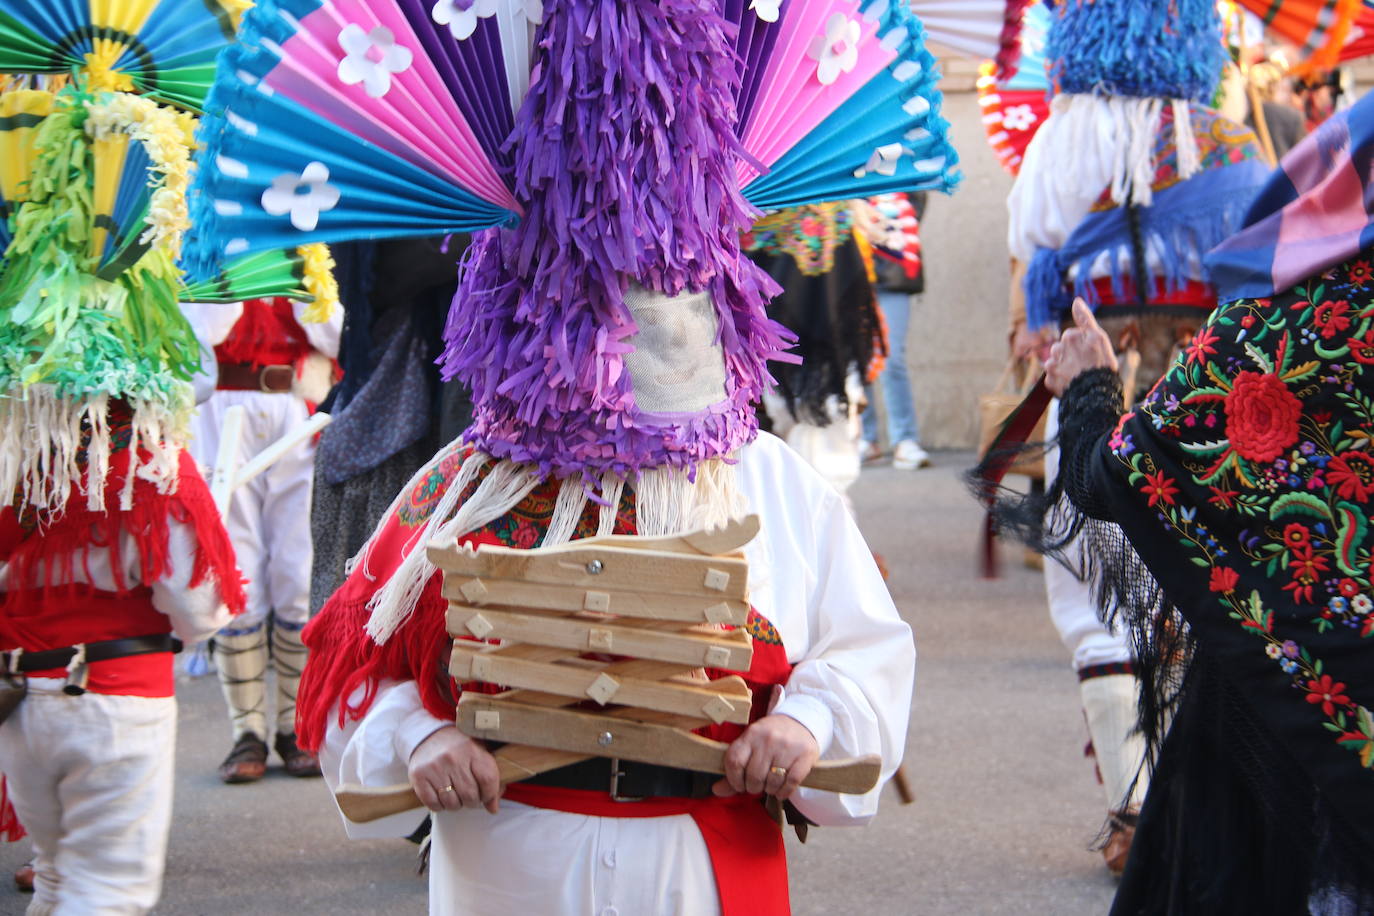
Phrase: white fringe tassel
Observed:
(667, 501)
(1089, 134)
(497, 494)
(41, 440)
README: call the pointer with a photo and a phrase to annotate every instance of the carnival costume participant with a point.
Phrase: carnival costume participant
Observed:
(1123, 189)
(615, 339)
(828, 304)
(1242, 481)
(109, 543)
(263, 347)
(899, 274)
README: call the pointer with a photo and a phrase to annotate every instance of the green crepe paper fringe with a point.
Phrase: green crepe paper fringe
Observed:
(72, 341)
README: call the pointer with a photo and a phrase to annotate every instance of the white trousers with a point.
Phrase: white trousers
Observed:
(537, 862)
(268, 518)
(91, 779)
(1072, 608)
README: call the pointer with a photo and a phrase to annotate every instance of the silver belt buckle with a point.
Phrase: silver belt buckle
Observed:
(614, 787)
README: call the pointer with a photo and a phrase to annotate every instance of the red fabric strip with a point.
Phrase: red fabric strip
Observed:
(745, 845)
(150, 675)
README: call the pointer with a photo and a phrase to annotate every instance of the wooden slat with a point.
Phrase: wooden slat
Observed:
(724, 700)
(728, 649)
(602, 736)
(641, 604)
(616, 568)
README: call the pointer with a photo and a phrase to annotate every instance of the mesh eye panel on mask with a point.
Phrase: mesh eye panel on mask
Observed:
(677, 365)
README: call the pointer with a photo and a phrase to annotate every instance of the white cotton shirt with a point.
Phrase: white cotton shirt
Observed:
(813, 577)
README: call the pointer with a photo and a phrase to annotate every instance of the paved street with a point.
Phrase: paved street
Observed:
(1006, 805)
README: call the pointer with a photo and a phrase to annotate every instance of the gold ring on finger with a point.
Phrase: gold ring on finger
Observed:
(448, 788)
(778, 771)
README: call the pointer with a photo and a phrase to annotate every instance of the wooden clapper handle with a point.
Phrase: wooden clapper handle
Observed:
(361, 804)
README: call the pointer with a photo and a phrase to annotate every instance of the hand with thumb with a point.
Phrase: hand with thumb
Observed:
(1084, 346)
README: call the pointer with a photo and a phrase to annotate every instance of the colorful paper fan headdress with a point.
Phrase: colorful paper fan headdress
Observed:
(93, 190)
(162, 48)
(406, 117)
(608, 325)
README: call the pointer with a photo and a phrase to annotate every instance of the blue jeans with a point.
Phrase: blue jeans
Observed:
(901, 412)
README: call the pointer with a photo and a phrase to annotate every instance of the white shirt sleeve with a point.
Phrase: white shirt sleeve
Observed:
(375, 750)
(196, 613)
(323, 335)
(813, 576)
(212, 322)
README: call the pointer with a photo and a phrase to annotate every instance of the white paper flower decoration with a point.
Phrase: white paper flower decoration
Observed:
(461, 21)
(304, 196)
(767, 10)
(837, 51)
(1018, 117)
(371, 58)
(534, 11)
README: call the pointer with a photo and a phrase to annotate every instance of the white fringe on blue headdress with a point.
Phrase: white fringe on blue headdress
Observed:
(1120, 132)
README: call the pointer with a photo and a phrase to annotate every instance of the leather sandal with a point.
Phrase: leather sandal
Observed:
(247, 762)
(295, 761)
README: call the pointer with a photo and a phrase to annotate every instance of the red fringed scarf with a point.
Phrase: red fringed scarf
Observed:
(40, 551)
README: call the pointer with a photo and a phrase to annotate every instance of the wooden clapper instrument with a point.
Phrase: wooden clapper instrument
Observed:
(627, 622)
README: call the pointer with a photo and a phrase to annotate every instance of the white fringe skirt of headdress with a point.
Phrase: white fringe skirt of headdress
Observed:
(668, 501)
(1087, 134)
(41, 436)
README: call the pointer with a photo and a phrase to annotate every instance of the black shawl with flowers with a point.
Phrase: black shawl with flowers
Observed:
(1245, 483)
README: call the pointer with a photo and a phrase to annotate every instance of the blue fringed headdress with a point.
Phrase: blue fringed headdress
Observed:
(1161, 49)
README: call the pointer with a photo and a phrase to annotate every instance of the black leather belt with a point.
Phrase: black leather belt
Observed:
(627, 781)
(104, 651)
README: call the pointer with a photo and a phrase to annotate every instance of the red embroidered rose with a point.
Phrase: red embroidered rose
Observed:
(1327, 691)
(1261, 416)
(1352, 474)
(1159, 488)
(1224, 579)
(525, 536)
(1330, 317)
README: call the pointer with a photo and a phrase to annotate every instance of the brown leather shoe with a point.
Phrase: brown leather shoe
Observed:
(247, 762)
(295, 761)
(1117, 849)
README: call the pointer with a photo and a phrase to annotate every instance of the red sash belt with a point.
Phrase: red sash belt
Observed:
(745, 845)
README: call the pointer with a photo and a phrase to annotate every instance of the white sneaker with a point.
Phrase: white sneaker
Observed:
(908, 456)
(868, 451)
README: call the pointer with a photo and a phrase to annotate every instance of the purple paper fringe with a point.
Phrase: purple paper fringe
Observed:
(625, 154)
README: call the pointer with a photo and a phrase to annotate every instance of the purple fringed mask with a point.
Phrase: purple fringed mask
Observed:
(625, 164)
